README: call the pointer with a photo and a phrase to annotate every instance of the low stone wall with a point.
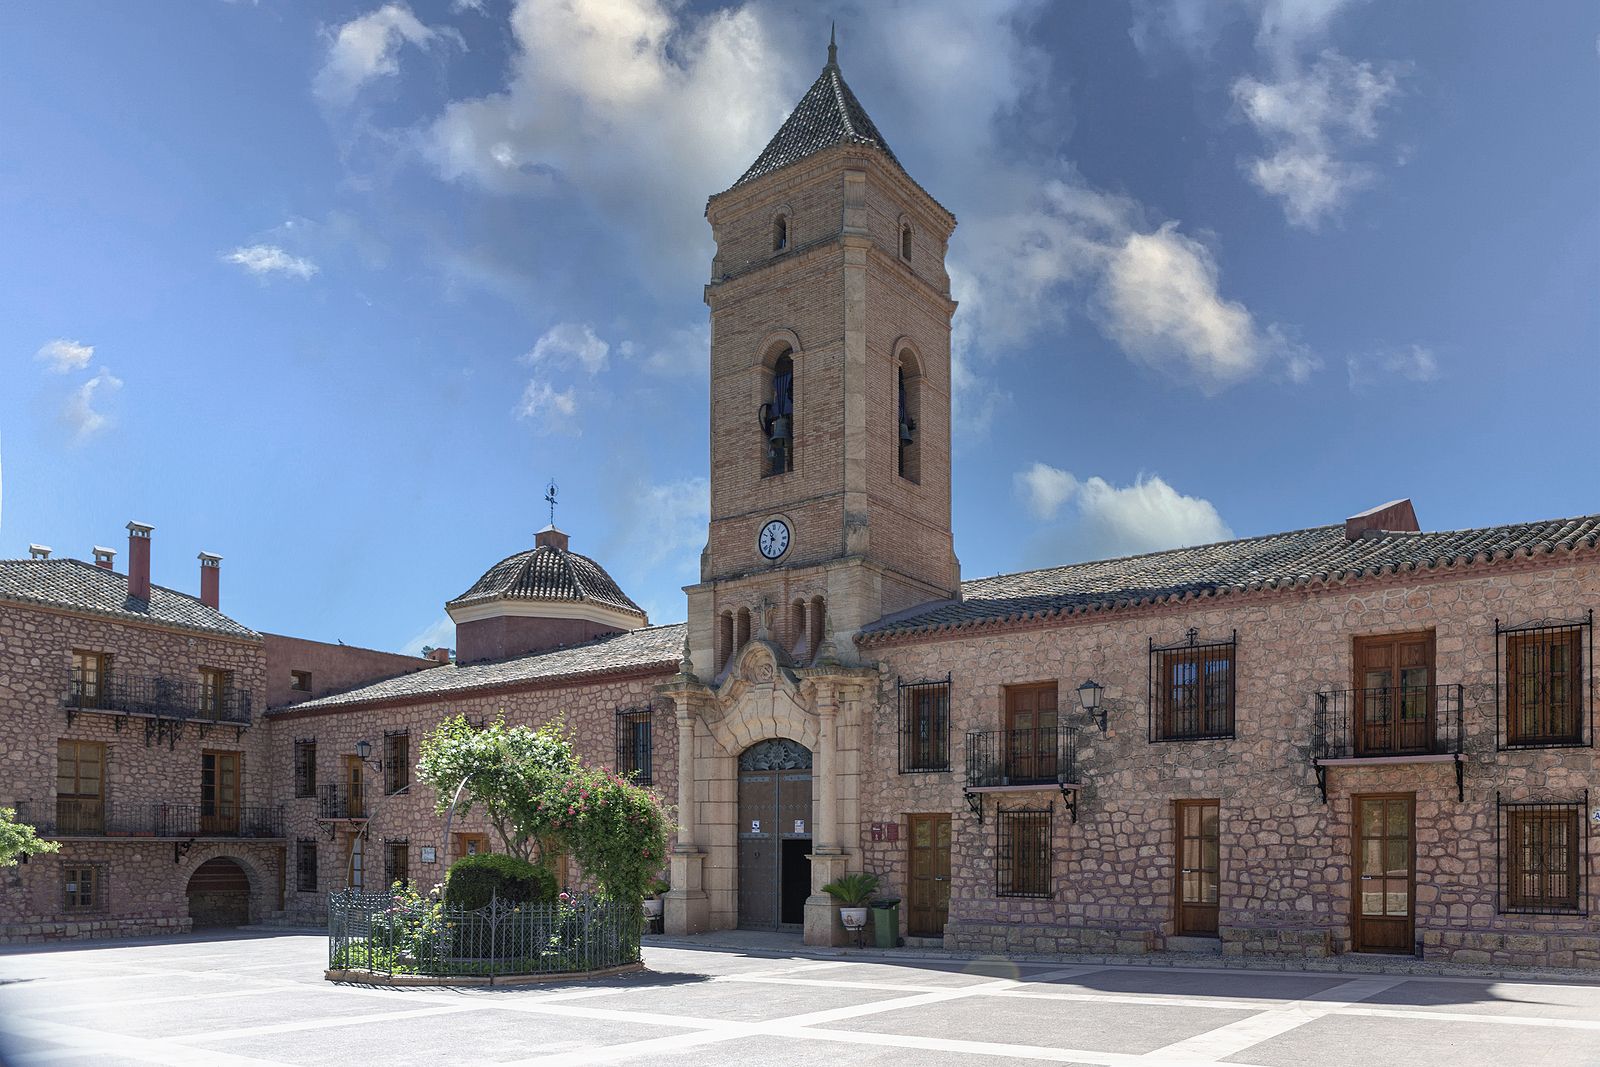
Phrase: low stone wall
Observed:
(1277, 942)
(1485, 948)
(1004, 939)
(33, 933)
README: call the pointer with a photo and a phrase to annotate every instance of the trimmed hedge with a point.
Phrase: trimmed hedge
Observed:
(473, 881)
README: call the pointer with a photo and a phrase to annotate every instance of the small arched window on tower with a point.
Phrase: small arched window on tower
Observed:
(780, 233)
(724, 641)
(908, 381)
(777, 418)
(905, 240)
(741, 630)
(818, 624)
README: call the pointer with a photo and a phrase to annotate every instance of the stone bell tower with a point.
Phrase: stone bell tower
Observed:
(830, 508)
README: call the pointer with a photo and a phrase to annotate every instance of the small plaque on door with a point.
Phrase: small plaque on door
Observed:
(755, 826)
(799, 826)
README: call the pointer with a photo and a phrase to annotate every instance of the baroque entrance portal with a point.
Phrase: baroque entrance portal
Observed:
(774, 834)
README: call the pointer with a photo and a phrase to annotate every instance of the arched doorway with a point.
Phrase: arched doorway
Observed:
(219, 894)
(774, 834)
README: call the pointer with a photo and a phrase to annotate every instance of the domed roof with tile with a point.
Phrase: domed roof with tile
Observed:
(548, 575)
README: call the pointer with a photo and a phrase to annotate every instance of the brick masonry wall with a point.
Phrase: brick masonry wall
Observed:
(1286, 878)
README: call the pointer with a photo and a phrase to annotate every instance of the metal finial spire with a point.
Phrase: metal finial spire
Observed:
(833, 47)
(550, 498)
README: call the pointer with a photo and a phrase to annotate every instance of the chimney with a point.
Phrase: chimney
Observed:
(1397, 516)
(439, 655)
(139, 560)
(105, 557)
(550, 537)
(210, 579)
(39, 551)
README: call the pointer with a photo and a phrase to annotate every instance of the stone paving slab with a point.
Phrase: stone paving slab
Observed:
(1447, 1043)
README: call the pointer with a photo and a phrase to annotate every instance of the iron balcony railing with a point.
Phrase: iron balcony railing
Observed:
(1047, 756)
(122, 692)
(1410, 720)
(341, 802)
(91, 817)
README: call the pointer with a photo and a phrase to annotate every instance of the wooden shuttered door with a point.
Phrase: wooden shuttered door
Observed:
(1394, 694)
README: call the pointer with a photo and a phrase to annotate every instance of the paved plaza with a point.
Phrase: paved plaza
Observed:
(249, 1001)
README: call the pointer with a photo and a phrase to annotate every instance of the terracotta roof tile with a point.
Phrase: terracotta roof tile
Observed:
(80, 586)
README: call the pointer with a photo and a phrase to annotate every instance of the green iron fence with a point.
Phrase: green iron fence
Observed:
(388, 935)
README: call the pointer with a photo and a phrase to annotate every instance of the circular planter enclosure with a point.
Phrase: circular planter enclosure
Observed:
(390, 938)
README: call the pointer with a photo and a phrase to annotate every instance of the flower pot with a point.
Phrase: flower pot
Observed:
(853, 918)
(652, 907)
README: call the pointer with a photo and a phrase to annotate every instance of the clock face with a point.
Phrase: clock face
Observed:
(774, 539)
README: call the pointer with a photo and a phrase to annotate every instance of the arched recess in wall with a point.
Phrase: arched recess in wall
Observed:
(724, 641)
(782, 229)
(908, 412)
(778, 402)
(905, 235)
(218, 894)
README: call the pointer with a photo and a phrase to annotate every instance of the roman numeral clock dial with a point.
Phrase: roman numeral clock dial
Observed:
(774, 539)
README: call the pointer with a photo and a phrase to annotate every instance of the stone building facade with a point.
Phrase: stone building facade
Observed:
(1359, 737)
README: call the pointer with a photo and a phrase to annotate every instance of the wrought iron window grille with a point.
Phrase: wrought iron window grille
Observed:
(1543, 856)
(924, 725)
(635, 744)
(1544, 684)
(1023, 852)
(396, 760)
(305, 865)
(1192, 687)
(305, 767)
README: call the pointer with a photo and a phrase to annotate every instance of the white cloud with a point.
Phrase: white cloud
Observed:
(367, 47)
(1109, 520)
(262, 260)
(1310, 118)
(461, 7)
(1411, 362)
(441, 633)
(569, 344)
(80, 412)
(550, 408)
(683, 351)
(64, 356)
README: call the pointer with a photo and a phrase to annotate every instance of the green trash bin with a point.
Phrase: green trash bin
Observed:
(886, 923)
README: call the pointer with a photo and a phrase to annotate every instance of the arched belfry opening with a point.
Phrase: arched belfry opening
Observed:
(774, 827)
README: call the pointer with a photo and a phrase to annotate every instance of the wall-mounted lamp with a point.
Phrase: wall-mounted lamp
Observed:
(364, 750)
(1089, 694)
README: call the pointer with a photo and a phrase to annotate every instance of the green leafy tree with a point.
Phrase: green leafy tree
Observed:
(18, 839)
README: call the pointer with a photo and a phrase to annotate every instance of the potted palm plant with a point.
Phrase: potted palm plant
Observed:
(852, 891)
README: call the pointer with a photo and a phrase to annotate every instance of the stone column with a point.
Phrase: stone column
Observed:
(686, 909)
(822, 926)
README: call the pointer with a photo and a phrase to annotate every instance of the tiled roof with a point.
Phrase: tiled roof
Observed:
(828, 115)
(654, 646)
(549, 573)
(72, 583)
(1321, 554)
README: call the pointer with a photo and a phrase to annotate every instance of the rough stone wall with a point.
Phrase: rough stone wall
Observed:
(589, 709)
(1286, 856)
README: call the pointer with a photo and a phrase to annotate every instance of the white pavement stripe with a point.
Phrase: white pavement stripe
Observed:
(1474, 1017)
(84, 1042)
(1235, 1037)
(1176, 1000)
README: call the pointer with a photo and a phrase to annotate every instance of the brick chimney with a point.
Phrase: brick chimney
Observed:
(551, 537)
(439, 655)
(139, 560)
(1397, 516)
(210, 579)
(105, 558)
(39, 551)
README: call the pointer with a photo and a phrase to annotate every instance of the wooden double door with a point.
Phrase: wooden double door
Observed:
(1199, 865)
(219, 792)
(928, 893)
(1384, 918)
(1394, 694)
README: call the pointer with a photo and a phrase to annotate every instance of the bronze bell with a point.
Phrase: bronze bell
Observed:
(906, 437)
(780, 428)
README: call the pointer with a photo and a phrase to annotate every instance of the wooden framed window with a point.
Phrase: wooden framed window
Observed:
(305, 865)
(216, 691)
(1548, 698)
(1544, 857)
(356, 867)
(396, 760)
(83, 887)
(1395, 695)
(305, 767)
(1032, 746)
(220, 787)
(635, 745)
(80, 787)
(396, 862)
(1192, 689)
(89, 675)
(468, 844)
(924, 725)
(300, 681)
(1022, 853)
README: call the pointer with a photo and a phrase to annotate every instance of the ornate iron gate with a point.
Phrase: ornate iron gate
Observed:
(774, 833)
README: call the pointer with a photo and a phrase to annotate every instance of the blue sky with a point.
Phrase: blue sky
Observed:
(334, 289)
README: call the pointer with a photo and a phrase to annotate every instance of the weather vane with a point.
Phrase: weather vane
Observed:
(550, 498)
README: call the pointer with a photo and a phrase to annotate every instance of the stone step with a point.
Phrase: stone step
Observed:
(1204, 946)
(923, 942)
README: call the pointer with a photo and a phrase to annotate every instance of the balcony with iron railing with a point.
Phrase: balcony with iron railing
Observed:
(1388, 724)
(121, 692)
(336, 802)
(1005, 761)
(92, 817)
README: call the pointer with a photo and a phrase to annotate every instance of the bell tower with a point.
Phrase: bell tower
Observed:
(830, 392)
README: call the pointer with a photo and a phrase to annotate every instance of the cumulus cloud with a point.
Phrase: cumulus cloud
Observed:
(548, 408)
(263, 260)
(63, 356)
(682, 351)
(1411, 362)
(570, 344)
(368, 47)
(81, 414)
(1107, 520)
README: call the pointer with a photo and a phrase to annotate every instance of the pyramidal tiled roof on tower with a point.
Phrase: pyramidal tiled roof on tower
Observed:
(828, 115)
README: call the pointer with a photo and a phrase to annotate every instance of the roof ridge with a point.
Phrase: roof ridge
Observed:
(836, 79)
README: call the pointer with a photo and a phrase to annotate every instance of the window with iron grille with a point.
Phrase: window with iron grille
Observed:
(305, 865)
(1544, 856)
(396, 861)
(83, 887)
(396, 760)
(1545, 677)
(1022, 855)
(1191, 689)
(305, 768)
(635, 753)
(925, 725)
